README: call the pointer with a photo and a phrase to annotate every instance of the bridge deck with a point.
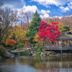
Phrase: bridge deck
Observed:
(46, 48)
(58, 48)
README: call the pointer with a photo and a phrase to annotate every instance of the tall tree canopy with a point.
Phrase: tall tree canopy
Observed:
(33, 27)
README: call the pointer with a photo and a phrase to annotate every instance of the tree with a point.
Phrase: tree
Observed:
(33, 28)
(4, 22)
(60, 26)
(49, 31)
(6, 17)
(18, 33)
(66, 28)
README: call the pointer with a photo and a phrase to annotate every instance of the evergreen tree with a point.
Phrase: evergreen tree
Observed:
(33, 28)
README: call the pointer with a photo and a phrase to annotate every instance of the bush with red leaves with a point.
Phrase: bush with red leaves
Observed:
(49, 31)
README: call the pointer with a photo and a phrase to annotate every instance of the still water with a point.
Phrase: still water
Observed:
(34, 65)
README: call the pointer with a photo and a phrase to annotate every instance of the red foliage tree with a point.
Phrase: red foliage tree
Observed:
(49, 31)
(10, 42)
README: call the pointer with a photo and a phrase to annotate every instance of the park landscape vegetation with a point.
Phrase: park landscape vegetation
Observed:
(33, 35)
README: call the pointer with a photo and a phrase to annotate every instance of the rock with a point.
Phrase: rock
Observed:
(4, 53)
(9, 55)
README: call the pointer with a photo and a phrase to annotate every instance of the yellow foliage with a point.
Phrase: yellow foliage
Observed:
(61, 26)
(19, 32)
(36, 38)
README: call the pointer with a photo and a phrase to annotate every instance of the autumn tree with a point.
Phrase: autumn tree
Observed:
(6, 18)
(62, 27)
(19, 33)
(49, 31)
(5, 22)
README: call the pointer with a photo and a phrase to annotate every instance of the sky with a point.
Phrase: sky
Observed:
(45, 8)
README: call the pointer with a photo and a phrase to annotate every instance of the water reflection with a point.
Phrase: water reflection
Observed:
(34, 65)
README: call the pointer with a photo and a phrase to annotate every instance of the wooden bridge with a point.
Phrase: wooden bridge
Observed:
(58, 48)
(63, 43)
(46, 48)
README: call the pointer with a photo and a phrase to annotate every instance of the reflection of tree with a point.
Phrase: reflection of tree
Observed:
(53, 70)
(40, 65)
(36, 63)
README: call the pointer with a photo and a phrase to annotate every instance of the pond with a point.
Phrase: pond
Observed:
(34, 65)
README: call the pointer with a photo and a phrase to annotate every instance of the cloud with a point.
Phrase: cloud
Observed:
(27, 9)
(44, 13)
(54, 2)
(22, 13)
(7, 6)
(30, 8)
(64, 9)
(45, 16)
(15, 3)
(47, 2)
(70, 5)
